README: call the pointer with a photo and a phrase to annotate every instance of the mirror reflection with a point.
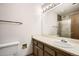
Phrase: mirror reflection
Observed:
(60, 19)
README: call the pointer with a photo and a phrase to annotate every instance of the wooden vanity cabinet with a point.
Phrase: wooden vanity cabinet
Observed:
(62, 53)
(52, 51)
(37, 48)
(48, 51)
(42, 49)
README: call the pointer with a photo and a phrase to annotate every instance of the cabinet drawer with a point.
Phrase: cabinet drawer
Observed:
(46, 54)
(49, 50)
(35, 42)
(40, 45)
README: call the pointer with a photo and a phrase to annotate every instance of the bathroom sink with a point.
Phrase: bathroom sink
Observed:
(63, 44)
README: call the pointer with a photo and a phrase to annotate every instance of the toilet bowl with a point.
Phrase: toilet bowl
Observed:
(9, 49)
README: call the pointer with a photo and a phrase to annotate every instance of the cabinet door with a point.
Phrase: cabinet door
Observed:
(61, 53)
(35, 50)
(40, 52)
(40, 45)
(49, 50)
(46, 54)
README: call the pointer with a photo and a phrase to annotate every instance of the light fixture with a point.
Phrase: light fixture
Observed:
(49, 6)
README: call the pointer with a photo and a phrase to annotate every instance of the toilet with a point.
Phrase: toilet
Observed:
(9, 49)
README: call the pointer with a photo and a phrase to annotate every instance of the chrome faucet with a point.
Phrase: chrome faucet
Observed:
(64, 41)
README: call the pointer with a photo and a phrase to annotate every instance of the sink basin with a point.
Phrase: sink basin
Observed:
(63, 44)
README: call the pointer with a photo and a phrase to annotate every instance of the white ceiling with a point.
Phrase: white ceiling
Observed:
(66, 8)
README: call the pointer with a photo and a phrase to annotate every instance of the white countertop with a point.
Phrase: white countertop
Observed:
(51, 40)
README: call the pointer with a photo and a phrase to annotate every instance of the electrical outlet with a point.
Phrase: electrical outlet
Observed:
(24, 46)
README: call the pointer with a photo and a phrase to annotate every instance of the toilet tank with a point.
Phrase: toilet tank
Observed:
(9, 49)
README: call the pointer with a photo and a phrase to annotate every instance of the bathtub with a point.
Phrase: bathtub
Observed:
(9, 49)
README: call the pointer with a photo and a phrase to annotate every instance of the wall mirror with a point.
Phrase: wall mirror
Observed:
(60, 19)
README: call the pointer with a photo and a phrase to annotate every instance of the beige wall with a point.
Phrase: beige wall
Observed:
(29, 15)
